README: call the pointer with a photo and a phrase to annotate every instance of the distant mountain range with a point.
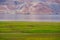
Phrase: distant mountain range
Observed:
(42, 7)
(48, 10)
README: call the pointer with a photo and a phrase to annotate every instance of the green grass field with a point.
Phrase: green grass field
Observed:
(29, 30)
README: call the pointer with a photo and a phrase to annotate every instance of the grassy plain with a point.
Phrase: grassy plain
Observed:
(11, 30)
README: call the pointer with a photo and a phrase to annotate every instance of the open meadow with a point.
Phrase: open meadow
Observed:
(11, 30)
